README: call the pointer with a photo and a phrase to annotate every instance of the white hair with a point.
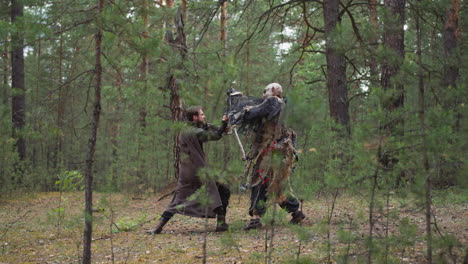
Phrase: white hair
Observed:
(277, 87)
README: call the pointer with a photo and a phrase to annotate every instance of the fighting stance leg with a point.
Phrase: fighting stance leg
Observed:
(291, 205)
(165, 217)
(257, 208)
(225, 194)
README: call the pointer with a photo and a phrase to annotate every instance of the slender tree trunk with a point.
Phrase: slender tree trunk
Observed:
(223, 25)
(247, 53)
(143, 111)
(373, 43)
(175, 101)
(177, 115)
(144, 64)
(58, 142)
(88, 229)
(393, 42)
(329, 219)
(272, 236)
(427, 185)
(452, 36)
(205, 234)
(115, 126)
(4, 5)
(35, 96)
(393, 38)
(266, 246)
(371, 216)
(65, 99)
(6, 63)
(247, 67)
(336, 68)
(223, 38)
(387, 224)
(372, 201)
(184, 9)
(48, 146)
(17, 81)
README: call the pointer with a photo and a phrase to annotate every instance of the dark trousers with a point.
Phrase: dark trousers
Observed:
(224, 194)
(258, 200)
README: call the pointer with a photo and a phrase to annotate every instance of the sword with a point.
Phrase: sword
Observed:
(244, 157)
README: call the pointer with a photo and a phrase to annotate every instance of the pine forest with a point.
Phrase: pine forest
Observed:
(337, 131)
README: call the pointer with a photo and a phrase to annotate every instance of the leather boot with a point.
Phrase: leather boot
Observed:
(297, 217)
(159, 227)
(221, 225)
(254, 223)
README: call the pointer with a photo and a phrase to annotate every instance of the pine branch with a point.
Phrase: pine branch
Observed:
(13, 223)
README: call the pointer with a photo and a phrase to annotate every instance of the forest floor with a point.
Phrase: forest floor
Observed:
(41, 229)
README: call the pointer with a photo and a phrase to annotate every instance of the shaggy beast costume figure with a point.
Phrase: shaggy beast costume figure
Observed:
(272, 155)
(192, 159)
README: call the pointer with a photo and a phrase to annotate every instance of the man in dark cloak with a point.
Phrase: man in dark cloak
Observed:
(193, 159)
(273, 155)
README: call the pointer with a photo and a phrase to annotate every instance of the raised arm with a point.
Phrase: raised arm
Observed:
(270, 108)
(211, 133)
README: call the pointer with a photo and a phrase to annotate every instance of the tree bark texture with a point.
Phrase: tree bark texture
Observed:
(393, 38)
(116, 120)
(60, 108)
(144, 64)
(336, 67)
(223, 26)
(6, 64)
(223, 38)
(425, 157)
(373, 65)
(88, 229)
(144, 91)
(451, 35)
(17, 80)
(180, 45)
(184, 9)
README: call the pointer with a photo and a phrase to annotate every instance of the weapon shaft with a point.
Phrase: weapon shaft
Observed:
(240, 144)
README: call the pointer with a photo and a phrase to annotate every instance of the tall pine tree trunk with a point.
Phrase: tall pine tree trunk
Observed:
(141, 159)
(5, 85)
(393, 38)
(223, 38)
(60, 105)
(336, 67)
(223, 26)
(144, 64)
(65, 99)
(88, 229)
(373, 43)
(425, 158)
(452, 34)
(115, 126)
(180, 45)
(184, 9)
(5, 58)
(17, 80)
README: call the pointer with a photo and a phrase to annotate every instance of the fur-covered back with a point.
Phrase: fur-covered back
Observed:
(286, 158)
